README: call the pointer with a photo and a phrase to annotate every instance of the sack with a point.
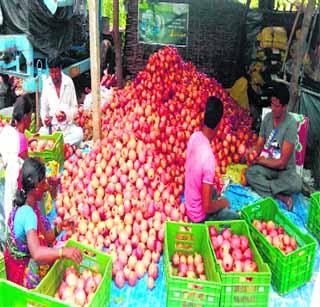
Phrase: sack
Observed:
(239, 92)
(273, 37)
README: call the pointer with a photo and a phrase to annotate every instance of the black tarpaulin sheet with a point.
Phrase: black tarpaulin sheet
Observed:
(49, 34)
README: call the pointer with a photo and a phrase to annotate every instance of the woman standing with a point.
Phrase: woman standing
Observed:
(26, 254)
(13, 149)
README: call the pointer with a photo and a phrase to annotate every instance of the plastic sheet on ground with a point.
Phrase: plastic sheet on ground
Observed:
(140, 295)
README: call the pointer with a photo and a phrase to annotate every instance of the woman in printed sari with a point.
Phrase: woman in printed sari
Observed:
(27, 255)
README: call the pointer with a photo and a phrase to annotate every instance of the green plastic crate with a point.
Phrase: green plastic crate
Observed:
(243, 288)
(55, 154)
(2, 267)
(15, 296)
(313, 223)
(290, 271)
(92, 259)
(186, 291)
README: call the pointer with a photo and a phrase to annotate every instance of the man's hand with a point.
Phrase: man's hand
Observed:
(252, 156)
(48, 120)
(248, 153)
(253, 153)
(222, 203)
(66, 224)
(259, 160)
(61, 116)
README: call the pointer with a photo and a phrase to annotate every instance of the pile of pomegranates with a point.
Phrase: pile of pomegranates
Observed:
(123, 191)
(83, 119)
(276, 235)
(120, 197)
(232, 251)
(78, 288)
(187, 265)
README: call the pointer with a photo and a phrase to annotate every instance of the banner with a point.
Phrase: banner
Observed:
(163, 23)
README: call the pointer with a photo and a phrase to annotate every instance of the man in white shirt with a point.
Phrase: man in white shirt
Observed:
(59, 105)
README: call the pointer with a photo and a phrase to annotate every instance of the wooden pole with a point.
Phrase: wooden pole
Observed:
(317, 55)
(293, 31)
(298, 60)
(117, 43)
(95, 66)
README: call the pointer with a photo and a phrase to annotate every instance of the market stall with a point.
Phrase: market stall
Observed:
(122, 190)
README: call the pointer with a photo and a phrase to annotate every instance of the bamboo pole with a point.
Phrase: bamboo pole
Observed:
(117, 43)
(297, 61)
(95, 66)
(293, 30)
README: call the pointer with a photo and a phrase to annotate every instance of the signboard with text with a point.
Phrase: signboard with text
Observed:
(163, 23)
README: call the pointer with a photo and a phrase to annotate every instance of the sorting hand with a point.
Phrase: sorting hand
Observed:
(61, 116)
(48, 120)
(73, 254)
(69, 223)
(252, 156)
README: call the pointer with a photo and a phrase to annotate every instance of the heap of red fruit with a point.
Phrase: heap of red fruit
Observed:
(134, 270)
(232, 251)
(83, 119)
(187, 265)
(78, 288)
(123, 191)
(276, 235)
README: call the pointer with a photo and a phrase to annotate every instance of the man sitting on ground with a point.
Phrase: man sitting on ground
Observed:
(273, 172)
(201, 197)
